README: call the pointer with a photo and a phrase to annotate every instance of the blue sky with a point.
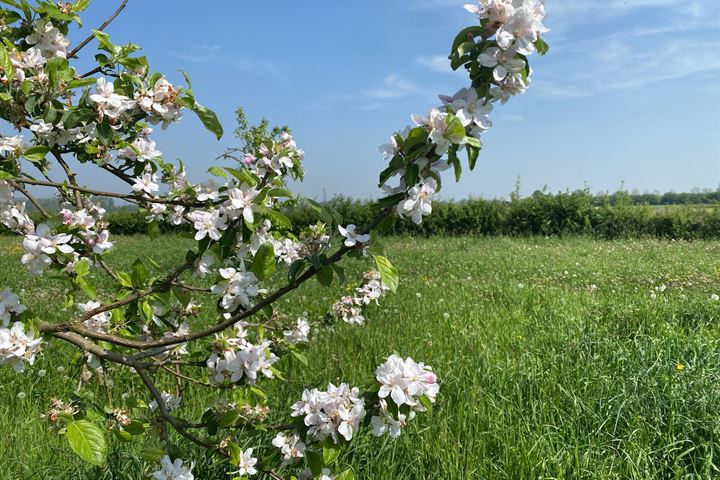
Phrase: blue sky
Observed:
(629, 92)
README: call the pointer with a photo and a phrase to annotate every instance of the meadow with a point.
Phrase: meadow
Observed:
(563, 358)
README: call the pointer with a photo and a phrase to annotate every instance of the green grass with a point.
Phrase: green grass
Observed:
(543, 375)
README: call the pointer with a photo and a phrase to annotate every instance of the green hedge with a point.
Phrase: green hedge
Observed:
(573, 213)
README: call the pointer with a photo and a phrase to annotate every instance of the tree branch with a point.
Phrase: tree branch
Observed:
(102, 27)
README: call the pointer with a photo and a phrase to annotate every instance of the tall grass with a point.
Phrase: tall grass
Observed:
(562, 359)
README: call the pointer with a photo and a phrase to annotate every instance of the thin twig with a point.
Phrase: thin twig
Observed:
(101, 28)
(32, 199)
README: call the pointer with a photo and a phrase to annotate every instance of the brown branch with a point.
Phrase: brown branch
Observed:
(174, 422)
(100, 193)
(32, 199)
(102, 27)
(71, 178)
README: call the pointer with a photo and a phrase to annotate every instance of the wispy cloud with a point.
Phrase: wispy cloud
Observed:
(392, 86)
(215, 54)
(439, 64)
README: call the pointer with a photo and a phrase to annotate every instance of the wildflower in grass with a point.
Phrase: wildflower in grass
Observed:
(9, 306)
(18, 347)
(176, 470)
(335, 412)
(680, 367)
(352, 237)
(290, 445)
(299, 334)
(171, 402)
(21, 395)
(714, 297)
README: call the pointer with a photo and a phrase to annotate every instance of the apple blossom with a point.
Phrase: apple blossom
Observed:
(299, 333)
(146, 183)
(10, 306)
(336, 411)
(48, 40)
(18, 347)
(171, 402)
(170, 470)
(352, 237)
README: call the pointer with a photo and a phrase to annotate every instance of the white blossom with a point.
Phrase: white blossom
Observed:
(290, 445)
(470, 109)
(208, 224)
(109, 103)
(9, 306)
(173, 470)
(11, 145)
(240, 202)
(247, 361)
(17, 347)
(97, 323)
(332, 413)
(171, 402)
(442, 133)
(352, 237)
(146, 183)
(48, 39)
(247, 463)
(418, 202)
(237, 288)
(299, 333)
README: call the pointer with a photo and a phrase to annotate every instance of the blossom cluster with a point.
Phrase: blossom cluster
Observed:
(10, 307)
(334, 412)
(509, 32)
(83, 234)
(18, 347)
(291, 446)
(405, 383)
(350, 307)
(236, 358)
(12, 213)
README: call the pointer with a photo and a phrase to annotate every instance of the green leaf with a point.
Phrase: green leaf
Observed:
(346, 475)
(388, 272)
(466, 35)
(330, 452)
(425, 401)
(541, 46)
(6, 175)
(411, 174)
(36, 153)
(6, 62)
(88, 441)
(264, 262)
(315, 461)
(279, 220)
(218, 172)
(473, 153)
(295, 268)
(58, 70)
(209, 119)
(105, 43)
(302, 358)
(455, 162)
(140, 273)
(80, 5)
(152, 454)
(325, 276)
(73, 118)
(105, 133)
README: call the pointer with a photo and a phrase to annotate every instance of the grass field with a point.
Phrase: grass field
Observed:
(563, 359)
